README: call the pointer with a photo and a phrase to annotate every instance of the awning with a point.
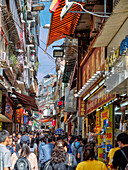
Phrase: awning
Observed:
(4, 118)
(27, 101)
(113, 24)
(60, 29)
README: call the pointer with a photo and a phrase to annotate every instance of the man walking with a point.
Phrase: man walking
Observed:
(121, 155)
(46, 152)
(5, 154)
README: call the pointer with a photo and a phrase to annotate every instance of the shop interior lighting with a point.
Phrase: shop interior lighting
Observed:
(124, 104)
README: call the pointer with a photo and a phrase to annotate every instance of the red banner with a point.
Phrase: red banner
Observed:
(94, 63)
(17, 116)
(99, 99)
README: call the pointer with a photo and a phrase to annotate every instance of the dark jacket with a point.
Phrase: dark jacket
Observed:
(58, 166)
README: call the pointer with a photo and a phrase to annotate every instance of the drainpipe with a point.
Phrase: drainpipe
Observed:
(105, 7)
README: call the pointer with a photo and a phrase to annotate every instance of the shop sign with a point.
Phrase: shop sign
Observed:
(109, 131)
(0, 125)
(17, 116)
(25, 119)
(65, 117)
(100, 150)
(105, 114)
(95, 62)
(70, 100)
(98, 114)
(30, 123)
(119, 51)
(82, 107)
(59, 131)
(99, 99)
(53, 123)
(8, 110)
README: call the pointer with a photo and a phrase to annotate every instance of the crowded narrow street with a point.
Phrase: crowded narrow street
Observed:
(63, 84)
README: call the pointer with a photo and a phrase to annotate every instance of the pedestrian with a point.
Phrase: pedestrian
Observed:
(70, 161)
(111, 154)
(81, 150)
(10, 146)
(46, 152)
(58, 158)
(90, 162)
(121, 155)
(33, 146)
(24, 154)
(19, 137)
(43, 142)
(5, 154)
(75, 147)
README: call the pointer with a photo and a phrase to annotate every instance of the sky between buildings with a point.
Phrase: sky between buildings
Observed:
(46, 64)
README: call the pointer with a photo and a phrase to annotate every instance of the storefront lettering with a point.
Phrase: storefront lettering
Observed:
(98, 99)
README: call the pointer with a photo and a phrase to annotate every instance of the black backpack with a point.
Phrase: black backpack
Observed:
(22, 163)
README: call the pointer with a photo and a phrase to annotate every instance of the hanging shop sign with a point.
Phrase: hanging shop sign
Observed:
(25, 119)
(7, 108)
(82, 107)
(17, 116)
(110, 60)
(95, 62)
(99, 99)
(53, 123)
(30, 123)
(70, 100)
(59, 131)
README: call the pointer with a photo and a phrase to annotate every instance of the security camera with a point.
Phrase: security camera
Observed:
(66, 9)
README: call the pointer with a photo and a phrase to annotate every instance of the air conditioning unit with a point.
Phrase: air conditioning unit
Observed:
(7, 62)
(3, 56)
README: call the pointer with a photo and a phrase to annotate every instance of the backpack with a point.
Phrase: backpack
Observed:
(126, 168)
(22, 163)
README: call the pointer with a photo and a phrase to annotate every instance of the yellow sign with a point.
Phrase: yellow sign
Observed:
(105, 114)
(100, 150)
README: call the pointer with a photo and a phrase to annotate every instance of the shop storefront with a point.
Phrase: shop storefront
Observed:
(7, 113)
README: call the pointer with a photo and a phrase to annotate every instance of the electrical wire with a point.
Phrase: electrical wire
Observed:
(91, 13)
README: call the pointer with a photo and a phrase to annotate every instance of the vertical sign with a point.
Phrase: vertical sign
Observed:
(82, 107)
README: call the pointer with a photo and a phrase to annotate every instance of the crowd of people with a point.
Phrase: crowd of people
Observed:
(37, 150)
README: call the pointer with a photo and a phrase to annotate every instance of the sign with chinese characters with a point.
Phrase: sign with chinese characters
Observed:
(95, 62)
(105, 114)
(99, 99)
(8, 110)
(17, 116)
(59, 131)
(98, 118)
(100, 150)
(82, 107)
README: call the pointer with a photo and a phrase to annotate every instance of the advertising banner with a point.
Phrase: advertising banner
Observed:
(100, 150)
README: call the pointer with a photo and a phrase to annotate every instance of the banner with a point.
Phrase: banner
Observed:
(100, 150)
